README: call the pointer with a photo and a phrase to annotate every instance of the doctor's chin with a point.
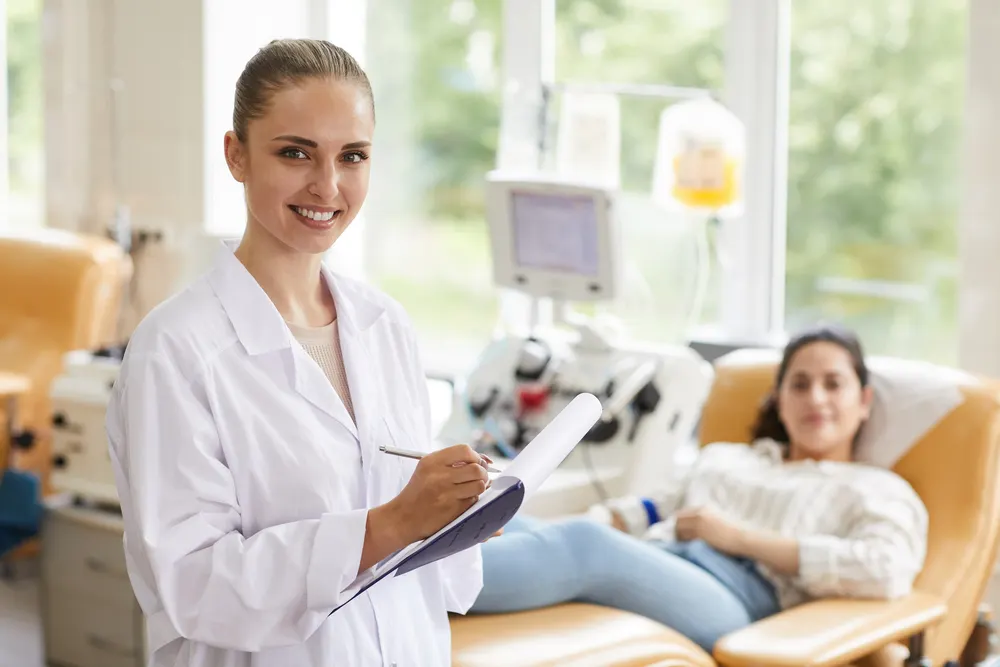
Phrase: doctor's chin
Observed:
(511, 334)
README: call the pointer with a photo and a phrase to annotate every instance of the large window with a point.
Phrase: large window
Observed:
(633, 49)
(435, 71)
(435, 66)
(26, 152)
(875, 127)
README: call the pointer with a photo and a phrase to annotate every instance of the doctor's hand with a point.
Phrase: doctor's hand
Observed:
(445, 484)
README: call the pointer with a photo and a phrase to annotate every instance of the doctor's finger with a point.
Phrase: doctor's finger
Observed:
(468, 473)
(457, 454)
(470, 490)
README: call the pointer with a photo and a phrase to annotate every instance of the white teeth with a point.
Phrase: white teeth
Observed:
(315, 215)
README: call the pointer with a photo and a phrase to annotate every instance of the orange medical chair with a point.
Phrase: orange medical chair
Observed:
(59, 291)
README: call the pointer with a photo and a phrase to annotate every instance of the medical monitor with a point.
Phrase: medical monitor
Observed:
(553, 239)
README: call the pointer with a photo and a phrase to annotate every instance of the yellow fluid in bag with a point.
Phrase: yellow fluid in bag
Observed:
(700, 158)
(706, 182)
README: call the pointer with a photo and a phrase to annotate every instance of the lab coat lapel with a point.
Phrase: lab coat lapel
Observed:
(363, 385)
(315, 387)
(261, 330)
(356, 314)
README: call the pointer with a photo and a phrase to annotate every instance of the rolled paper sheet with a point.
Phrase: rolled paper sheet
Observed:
(553, 444)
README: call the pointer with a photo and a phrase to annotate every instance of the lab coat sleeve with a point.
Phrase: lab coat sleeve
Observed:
(460, 574)
(183, 524)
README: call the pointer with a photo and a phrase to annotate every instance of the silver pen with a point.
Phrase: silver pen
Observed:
(409, 454)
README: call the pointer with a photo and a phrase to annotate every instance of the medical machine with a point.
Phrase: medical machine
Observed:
(81, 463)
(558, 243)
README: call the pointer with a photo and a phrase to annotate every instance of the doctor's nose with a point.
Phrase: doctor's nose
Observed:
(326, 183)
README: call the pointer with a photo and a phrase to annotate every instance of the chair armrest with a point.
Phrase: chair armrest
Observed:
(829, 632)
(13, 384)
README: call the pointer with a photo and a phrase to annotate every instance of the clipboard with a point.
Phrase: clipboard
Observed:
(500, 502)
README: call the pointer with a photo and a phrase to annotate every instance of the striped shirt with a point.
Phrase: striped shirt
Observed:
(861, 530)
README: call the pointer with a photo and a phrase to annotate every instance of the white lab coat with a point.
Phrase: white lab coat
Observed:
(244, 483)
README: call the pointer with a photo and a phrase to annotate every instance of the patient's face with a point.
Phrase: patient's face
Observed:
(305, 160)
(822, 403)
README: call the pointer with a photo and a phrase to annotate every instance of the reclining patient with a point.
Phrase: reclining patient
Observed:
(748, 531)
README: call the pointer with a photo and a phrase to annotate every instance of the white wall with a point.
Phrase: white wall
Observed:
(153, 50)
(979, 232)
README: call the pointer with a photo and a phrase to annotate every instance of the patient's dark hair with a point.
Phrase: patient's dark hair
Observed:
(287, 62)
(769, 424)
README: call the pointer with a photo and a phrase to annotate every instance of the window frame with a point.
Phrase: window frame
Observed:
(756, 59)
(757, 51)
(757, 89)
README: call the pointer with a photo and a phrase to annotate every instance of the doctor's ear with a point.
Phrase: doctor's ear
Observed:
(236, 155)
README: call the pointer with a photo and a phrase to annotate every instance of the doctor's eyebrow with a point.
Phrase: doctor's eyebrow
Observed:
(309, 143)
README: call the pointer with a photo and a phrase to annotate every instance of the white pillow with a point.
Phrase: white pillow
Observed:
(910, 397)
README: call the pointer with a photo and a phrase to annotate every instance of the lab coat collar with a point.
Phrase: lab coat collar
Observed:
(261, 329)
(258, 324)
(356, 312)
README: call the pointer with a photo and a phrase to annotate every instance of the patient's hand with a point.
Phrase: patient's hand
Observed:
(705, 524)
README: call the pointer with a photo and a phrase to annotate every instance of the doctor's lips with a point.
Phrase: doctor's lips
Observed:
(316, 214)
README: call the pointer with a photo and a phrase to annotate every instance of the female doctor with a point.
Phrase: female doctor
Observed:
(246, 422)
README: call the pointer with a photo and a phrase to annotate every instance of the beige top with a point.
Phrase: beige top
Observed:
(323, 345)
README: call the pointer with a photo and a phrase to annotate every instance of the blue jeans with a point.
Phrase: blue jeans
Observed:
(688, 586)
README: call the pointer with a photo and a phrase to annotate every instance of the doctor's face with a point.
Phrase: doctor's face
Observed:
(305, 162)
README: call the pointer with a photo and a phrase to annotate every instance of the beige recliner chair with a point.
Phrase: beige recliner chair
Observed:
(954, 468)
(59, 291)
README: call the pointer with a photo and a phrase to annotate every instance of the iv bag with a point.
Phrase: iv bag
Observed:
(699, 161)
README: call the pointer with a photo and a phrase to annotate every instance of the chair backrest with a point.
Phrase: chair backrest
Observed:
(61, 287)
(954, 467)
(59, 292)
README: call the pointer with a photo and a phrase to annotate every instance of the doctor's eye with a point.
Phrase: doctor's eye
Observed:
(293, 153)
(355, 157)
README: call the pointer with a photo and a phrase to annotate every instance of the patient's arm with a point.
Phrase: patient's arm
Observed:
(778, 553)
(880, 557)
(828, 632)
(637, 513)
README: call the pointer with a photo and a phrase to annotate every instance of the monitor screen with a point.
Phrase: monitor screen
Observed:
(555, 232)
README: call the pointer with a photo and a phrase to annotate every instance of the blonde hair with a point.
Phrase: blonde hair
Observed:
(287, 62)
